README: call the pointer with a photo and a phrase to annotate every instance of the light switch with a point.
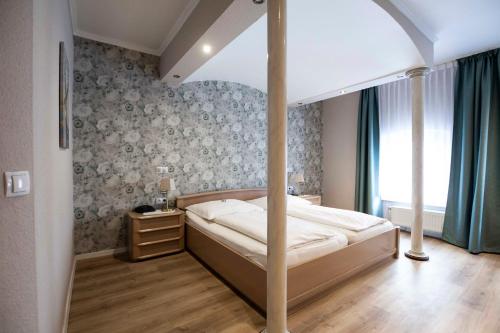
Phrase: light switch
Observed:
(17, 183)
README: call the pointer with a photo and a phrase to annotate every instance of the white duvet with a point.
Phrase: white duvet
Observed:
(254, 225)
(346, 219)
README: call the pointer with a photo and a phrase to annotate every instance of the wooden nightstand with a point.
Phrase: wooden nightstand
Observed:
(315, 199)
(155, 235)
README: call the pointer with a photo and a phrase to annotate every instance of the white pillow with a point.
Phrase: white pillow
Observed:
(261, 202)
(212, 209)
(291, 200)
(295, 200)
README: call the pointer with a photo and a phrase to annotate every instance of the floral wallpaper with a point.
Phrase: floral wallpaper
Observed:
(210, 135)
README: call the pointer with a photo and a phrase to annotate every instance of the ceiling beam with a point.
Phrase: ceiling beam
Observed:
(420, 34)
(212, 22)
(349, 89)
(181, 19)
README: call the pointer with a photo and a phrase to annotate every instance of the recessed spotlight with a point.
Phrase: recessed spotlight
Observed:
(400, 76)
(341, 92)
(177, 76)
(258, 2)
(207, 49)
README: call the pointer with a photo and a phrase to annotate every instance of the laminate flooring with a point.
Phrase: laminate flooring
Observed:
(453, 292)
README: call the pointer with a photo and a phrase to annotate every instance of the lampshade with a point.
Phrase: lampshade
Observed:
(297, 178)
(172, 185)
(167, 184)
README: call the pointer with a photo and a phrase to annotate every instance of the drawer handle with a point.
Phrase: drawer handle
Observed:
(159, 241)
(160, 228)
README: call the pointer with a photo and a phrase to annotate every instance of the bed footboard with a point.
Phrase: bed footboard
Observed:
(309, 280)
(239, 272)
(249, 279)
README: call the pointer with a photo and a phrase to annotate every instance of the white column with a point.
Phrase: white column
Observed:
(417, 103)
(276, 166)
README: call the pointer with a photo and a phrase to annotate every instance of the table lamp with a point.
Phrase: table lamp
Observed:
(296, 179)
(167, 184)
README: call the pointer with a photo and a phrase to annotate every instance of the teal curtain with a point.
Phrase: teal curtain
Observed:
(367, 197)
(472, 218)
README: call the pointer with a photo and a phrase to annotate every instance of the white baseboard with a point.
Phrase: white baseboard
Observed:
(69, 292)
(102, 253)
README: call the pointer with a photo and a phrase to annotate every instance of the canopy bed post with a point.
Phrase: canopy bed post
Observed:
(276, 167)
(417, 104)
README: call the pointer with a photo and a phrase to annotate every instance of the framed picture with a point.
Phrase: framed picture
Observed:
(63, 98)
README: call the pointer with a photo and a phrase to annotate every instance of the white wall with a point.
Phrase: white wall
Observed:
(52, 166)
(340, 117)
(17, 232)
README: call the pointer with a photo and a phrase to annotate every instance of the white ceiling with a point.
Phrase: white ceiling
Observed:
(339, 44)
(333, 45)
(461, 27)
(145, 25)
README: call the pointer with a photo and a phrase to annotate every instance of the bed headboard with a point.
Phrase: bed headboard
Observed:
(241, 194)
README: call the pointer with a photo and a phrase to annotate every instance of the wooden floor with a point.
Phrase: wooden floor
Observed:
(454, 292)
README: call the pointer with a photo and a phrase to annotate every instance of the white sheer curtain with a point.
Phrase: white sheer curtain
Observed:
(395, 141)
(395, 137)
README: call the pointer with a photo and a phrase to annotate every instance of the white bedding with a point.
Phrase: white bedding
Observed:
(339, 218)
(290, 200)
(254, 225)
(211, 209)
(358, 236)
(352, 236)
(257, 251)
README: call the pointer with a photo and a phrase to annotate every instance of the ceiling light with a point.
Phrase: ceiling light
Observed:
(207, 49)
(177, 76)
(341, 92)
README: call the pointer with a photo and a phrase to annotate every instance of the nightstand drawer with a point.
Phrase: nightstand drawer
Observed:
(155, 235)
(158, 222)
(159, 234)
(162, 247)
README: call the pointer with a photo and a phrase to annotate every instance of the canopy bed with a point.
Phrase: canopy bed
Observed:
(307, 278)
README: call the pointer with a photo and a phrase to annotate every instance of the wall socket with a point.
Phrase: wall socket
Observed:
(160, 201)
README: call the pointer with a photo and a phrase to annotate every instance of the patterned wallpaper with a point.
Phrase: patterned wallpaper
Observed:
(211, 135)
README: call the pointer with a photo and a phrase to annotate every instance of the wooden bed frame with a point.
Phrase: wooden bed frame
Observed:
(306, 281)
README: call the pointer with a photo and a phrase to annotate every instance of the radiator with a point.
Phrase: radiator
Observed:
(402, 216)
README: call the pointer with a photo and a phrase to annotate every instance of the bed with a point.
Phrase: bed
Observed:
(256, 251)
(330, 262)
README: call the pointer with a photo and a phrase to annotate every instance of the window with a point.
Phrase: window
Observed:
(395, 137)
